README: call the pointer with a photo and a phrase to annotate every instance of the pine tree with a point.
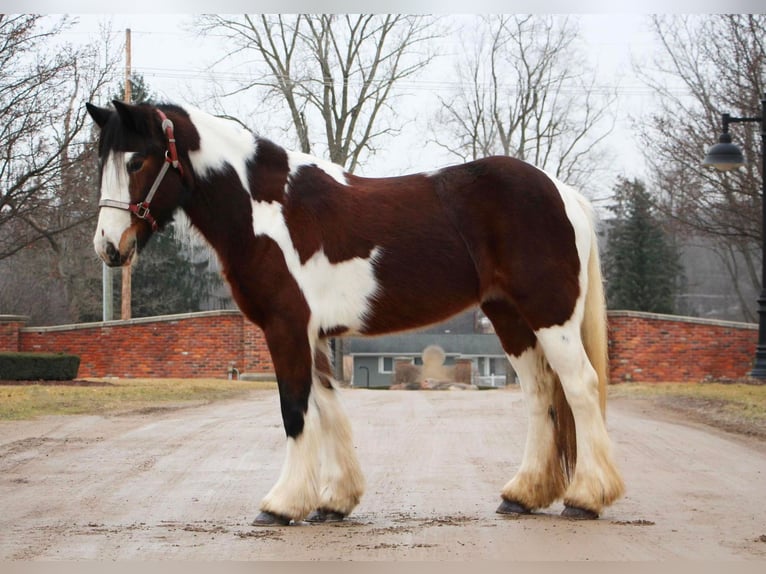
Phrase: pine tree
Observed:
(167, 280)
(641, 263)
(139, 90)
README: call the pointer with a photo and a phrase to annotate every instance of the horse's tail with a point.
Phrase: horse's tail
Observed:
(594, 338)
(594, 325)
(564, 432)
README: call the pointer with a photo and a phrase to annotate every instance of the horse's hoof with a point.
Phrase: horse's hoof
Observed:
(271, 519)
(325, 515)
(512, 507)
(576, 513)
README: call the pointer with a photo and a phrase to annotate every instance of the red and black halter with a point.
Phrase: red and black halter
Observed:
(141, 208)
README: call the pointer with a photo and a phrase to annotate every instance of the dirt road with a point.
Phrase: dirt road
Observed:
(185, 484)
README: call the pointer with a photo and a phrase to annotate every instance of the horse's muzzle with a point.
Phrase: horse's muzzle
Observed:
(113, 258)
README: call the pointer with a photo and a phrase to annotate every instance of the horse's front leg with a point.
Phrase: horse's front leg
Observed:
(295, 493)
(341, 482)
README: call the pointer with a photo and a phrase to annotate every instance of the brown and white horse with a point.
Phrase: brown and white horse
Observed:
(311, 251)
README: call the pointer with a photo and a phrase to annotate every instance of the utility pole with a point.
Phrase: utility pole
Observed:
(127, 270)
(107, 306)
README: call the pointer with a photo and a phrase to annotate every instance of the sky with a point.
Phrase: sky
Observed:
(172, 58)
(392, 6)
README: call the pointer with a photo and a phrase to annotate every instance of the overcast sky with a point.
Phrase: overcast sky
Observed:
(172, 59)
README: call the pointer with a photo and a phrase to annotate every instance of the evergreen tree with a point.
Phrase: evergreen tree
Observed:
(167, 279)
(139, 90)
(641, 263)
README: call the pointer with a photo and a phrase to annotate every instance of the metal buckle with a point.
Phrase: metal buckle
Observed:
(142, 210)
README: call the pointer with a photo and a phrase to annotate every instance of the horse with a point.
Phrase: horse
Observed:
(311, 251)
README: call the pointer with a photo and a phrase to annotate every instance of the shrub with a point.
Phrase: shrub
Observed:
(38, 366)
(407, 373)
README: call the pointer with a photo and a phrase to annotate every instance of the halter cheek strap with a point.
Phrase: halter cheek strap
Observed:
(141, 208)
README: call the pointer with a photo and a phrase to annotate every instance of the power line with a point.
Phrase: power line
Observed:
(409, 83)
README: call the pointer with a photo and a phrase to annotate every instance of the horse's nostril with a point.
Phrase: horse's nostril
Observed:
(112, 253)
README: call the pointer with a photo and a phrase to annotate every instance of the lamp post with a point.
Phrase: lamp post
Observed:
(726, 156)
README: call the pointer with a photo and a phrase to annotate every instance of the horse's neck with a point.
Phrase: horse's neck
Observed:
(217, 209)
(237, 173)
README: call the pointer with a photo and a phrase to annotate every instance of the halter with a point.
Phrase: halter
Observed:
(141, 208)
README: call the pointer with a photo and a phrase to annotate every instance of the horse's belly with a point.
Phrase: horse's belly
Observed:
(410, 297)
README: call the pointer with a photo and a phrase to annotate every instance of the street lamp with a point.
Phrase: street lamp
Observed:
(726, 156)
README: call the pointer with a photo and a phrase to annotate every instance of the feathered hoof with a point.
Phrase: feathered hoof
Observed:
(325, 515)
(271, 519)
(576, 513)
(512, 507)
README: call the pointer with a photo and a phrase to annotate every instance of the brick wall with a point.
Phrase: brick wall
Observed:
(646, 347)
(643, 347)
(190, 345)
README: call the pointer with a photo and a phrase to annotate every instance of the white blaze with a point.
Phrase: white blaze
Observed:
(112, 222)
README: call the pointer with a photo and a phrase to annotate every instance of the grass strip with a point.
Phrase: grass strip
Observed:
(103, 396)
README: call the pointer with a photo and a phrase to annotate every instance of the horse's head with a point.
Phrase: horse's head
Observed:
(141, 178)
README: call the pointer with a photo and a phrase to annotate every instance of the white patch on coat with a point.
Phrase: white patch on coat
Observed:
(596, 479)
(337, 293)
(580, 214)
(296, 160)
(222, 142)
(225, 142)
(112, 221)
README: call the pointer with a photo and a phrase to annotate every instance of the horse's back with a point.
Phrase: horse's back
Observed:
(514, 220)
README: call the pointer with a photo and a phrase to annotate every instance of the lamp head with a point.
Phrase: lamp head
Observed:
(725, 155)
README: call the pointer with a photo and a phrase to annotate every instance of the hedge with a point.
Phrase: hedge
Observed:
(38, 366)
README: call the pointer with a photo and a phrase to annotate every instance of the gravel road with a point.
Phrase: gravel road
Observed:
(184, 484)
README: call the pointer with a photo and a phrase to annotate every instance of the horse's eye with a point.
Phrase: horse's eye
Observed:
(135, 164)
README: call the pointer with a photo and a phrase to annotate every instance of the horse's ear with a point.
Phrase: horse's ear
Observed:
(99, 115)
(131, 116)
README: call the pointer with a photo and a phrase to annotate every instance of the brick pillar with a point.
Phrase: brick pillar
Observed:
(10, 325)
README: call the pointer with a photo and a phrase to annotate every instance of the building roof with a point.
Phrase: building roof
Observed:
(414, 343)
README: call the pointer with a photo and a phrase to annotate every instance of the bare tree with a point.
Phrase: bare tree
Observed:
(48, 187)
(524, 90)
(710, 64)
(43, 133)
(336, 74)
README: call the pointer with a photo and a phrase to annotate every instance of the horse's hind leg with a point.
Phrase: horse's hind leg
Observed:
(596, 482)
(540, 478)
(341, 482)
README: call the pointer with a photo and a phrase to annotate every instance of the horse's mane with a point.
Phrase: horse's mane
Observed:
(113, 138)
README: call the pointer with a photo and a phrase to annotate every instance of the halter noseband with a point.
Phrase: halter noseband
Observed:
(141, 208)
